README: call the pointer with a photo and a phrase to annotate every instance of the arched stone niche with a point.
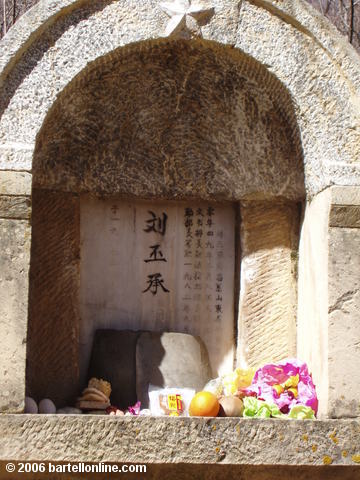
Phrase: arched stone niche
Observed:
(177, 121)
(55, 41)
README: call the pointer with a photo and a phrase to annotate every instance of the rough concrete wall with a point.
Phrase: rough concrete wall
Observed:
(52, 368)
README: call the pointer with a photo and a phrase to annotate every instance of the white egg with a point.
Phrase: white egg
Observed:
(31, 405)
(47, 406)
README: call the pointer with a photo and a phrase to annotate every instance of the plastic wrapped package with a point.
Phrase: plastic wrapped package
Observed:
(215, 387)
(230, 383)
(170, 402)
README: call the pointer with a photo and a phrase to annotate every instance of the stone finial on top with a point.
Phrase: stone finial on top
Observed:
(186, 17)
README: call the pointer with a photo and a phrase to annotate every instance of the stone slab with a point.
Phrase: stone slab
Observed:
(170, 360)
(155, 440)
(345, 216)
(345, 207)
(15, 236)
(53, 339)
(15, 183)
(312, 318)
(113, 358)
(267, 325)
(179, 278)
(344, 322)
(345, 195)
(15, 207)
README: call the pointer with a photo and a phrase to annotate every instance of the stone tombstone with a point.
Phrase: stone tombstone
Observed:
(159, 267)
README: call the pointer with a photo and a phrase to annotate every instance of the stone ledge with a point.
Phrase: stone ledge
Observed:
(61, 438)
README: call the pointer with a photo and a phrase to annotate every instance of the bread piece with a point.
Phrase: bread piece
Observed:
(97, 392)
(101, 385)
(93, 397)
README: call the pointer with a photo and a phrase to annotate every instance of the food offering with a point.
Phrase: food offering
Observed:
(96, 396)
(170, 402)
(283, 390)
(204, 404)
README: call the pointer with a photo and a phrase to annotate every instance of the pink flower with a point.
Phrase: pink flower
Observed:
(135, 410)
(286, 384)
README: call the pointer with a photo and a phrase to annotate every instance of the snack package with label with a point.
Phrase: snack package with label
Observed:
(170, 402)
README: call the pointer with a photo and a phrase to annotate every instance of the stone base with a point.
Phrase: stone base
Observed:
(196, 441)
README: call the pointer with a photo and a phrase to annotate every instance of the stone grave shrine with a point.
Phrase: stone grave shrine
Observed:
(178, 176)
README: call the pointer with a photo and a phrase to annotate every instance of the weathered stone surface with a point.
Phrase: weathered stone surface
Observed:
(15, 183)
(186, 440)
(294, 21)
(15, 207)
(344, 322)
(341, 196)
(345, 216)
(53, 338)
(15, 238)
(139, 138)
(288, 37)
(170, 360)
(345, 207)
(329, 301)
(267, 325)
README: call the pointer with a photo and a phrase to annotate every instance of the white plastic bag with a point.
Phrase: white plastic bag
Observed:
(171, 402)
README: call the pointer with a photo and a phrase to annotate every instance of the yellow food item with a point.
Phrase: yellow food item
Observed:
(239, 378)
(293, 391)
(204, 404)
(101, 385)
(279, 389)
(292, 382)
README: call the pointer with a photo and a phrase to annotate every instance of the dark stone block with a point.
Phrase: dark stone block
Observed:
(113, 359)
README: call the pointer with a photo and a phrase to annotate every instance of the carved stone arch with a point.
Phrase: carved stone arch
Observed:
(173, 119)
(286, 43)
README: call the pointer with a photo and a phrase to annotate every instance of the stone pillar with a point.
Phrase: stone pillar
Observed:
(329, 299)
(267, 310)
(15, 240)
(312, 321)
(344, 303)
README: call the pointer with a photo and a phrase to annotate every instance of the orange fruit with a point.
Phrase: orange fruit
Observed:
(204, 404)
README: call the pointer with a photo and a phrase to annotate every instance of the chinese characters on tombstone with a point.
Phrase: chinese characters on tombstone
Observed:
(160, 267)
(156, 225)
